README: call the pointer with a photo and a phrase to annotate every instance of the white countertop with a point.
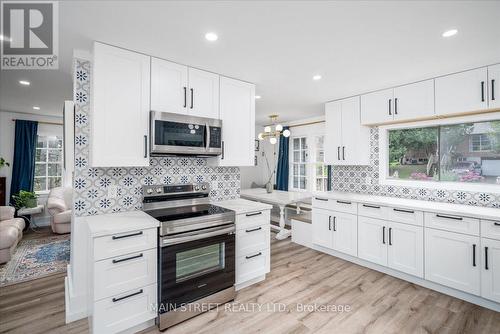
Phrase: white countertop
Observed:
(278, 197)
(119, 222)
(241, 205)
(429, 206)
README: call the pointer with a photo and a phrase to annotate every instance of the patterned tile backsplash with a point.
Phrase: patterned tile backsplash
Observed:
(352, 179)
(92, 184)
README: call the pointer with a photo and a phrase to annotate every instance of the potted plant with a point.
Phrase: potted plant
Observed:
(25, 199)
(3, 163)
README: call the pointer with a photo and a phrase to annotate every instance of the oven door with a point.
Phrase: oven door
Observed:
(190, 270)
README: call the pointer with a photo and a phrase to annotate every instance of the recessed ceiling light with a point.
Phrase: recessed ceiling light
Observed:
(317, 77)
(24, 82)
(449, 33)
(211, 36)
(257, 97)
(36, 107)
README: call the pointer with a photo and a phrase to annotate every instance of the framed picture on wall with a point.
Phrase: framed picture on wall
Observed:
(257, 145)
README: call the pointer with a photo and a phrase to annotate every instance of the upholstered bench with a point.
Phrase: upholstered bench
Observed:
(11, 232)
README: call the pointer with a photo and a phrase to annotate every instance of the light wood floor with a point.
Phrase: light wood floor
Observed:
(379, 303)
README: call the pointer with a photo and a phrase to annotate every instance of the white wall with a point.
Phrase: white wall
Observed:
(7, 132)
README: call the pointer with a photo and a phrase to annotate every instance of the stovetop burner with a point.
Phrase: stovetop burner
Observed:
(184, 212)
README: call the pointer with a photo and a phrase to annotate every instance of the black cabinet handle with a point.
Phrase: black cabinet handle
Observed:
(343, 152)
(492, 89)
(253, 214)
(396, 106)
(128, 258)
(338, 152)
(496, 224)
(128, 296)
(222, 150)
(371, 206)
(449, 217)
(482, 91)
(321, 199)
(192, 97)
(390, 106)
(383, 235)
(474, 255)
(390, 236)
(405, 211)
(486, 258)
(115, 237)
(329, 223)
(185, 97)
(344, 202)
(145, 146)
(254, 229)
(255, 255)
(334, 224)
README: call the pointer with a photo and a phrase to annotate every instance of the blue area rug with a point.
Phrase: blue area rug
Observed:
(36, 258)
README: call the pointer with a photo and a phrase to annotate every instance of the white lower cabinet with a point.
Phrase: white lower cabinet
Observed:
(253, 244)
(405, 251)
(490, 276)
(335, 230)
(372, 243)
(453, 259)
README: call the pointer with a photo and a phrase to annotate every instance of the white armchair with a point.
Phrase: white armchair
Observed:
(59, 205)
(11, 232)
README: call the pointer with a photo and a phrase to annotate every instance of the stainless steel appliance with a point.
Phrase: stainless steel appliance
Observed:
(176, 134)
(196, 269)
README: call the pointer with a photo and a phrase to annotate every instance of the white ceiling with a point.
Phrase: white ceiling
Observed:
(356, 46)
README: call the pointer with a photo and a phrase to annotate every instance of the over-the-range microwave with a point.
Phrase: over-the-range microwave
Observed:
(176, 134)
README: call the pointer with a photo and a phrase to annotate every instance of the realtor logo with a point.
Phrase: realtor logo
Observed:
(30, 35)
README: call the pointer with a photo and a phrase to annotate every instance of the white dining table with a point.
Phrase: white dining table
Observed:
(279, 198)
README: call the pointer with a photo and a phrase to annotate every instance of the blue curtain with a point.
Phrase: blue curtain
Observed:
(23, 168)
(282, 171)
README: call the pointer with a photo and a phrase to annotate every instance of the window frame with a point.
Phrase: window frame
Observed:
(46, 162)
(291, 163)
(446, 185)
(471, 144)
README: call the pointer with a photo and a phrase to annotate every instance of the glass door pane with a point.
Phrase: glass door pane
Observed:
(199, 261)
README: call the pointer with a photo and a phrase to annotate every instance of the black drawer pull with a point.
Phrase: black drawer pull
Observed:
(251, 256)
(128, 296)
(390, 236)
(254, 214)
(496, 224)
(486, 258)
(321, 199)
(254, 229)
(449, 217)
(371, 206)
(334, 224)
(482, 91)
(128, 258)
(405, 211)
(474, 255)
(344, 202)
(383, 234)
(329, 223)
(126, 235)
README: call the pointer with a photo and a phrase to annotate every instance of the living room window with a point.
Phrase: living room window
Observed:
(299, 163)
(48, 163)
(463, 153)
(320, 170)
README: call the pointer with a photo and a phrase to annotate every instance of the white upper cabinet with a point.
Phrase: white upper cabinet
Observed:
(121, 107)
(414, 101)
(377, 107)
(347, 141)
(203, 93)
(237, 112)
(169, 86)
(494, 86)
(462, 92)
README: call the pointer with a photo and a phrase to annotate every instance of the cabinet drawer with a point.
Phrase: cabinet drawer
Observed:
(490, 229)
(124, 273)
(124, 243)
(373, 211)
(252, 239)
(338, 205)
(252, 265)
(253, 219)
(407, 216)
(452, 223)
(123, 311)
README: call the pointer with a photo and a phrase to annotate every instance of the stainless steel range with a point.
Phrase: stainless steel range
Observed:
(196, 262)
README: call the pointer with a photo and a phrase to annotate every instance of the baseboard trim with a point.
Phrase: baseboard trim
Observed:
(250, 282)
(416, 280)
(75, 306)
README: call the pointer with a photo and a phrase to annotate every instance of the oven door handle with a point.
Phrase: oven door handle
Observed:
(207, 233)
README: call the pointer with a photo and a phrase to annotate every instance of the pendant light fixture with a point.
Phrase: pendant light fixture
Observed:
(273, 131)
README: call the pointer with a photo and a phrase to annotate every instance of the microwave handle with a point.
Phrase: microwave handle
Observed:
(207, 132)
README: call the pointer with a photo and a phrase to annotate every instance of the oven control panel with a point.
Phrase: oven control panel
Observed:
(175, 189)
